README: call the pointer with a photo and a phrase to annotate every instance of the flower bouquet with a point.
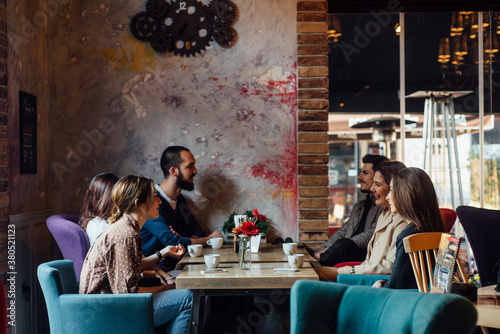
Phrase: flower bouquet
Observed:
(246, 230)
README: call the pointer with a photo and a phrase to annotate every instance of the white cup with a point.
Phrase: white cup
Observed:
(212, 260)
(195, 250)
(296, 260)
(290, 248)
(216, 243)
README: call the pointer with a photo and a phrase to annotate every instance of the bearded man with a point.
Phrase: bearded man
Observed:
(175, 224)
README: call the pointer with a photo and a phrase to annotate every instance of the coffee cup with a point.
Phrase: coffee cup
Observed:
(290, 248)
(212, 260)
(195, 250)
(216, 243)
(296, 260)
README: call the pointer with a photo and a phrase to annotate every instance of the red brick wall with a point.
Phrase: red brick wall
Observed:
(4, 152)
(312, 46)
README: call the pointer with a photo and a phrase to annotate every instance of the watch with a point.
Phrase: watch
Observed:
(160, 258)
(353, 271)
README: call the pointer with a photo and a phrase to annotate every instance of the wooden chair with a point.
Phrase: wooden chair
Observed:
(422, 249)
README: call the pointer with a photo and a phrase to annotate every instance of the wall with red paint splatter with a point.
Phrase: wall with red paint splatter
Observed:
(115, 105)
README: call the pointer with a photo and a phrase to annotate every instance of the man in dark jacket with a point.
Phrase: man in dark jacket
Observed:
(349, 243)
(175, 224)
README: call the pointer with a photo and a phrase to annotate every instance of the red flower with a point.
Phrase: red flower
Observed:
(256, 214)
(247, 228)
(237, 230)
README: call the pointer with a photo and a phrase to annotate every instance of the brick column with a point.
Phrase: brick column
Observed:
(313, 106)
(4, 151)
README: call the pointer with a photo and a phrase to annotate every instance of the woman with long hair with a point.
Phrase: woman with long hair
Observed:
(114, 262)
(412, 195)
(381, 250)
(97, 206)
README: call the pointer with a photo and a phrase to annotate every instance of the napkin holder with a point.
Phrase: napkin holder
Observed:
(466, 290)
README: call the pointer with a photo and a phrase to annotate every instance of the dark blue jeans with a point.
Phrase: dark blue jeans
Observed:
(342, 250)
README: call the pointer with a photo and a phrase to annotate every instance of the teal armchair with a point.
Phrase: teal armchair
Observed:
(70, 312)
(325, 307)
(360, 279)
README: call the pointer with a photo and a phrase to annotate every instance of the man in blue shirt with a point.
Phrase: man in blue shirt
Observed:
(175, 224)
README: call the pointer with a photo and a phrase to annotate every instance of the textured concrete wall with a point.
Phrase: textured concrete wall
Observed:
(27, 24)
(115, 105)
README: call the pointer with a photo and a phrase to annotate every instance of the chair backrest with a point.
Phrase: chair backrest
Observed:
(325, 307)
(482, 227)
(449, 217)
(422, 249)
(56, 278)
(71, 312)
(71, 239)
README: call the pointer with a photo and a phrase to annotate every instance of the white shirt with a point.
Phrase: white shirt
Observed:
(95, 227)
(173, 203)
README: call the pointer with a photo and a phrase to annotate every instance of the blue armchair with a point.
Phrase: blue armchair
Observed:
(70, 312)
(325, 307)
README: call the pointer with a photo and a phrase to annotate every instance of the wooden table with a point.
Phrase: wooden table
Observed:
(261, 279)
(267, 253)
(488, 308)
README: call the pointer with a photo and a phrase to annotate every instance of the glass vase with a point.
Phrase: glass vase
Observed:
(245, 253)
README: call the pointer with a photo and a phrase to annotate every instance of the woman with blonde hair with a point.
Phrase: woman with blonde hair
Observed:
(113, 263)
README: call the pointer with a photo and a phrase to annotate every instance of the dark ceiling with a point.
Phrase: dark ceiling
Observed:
(365, 6)
(364, 63)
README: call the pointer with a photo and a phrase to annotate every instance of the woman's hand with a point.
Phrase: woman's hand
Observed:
(344, 270)
(174, 251)
(378, 284)
(165, 278)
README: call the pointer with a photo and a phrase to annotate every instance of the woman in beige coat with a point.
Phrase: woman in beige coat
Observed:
(382, 246)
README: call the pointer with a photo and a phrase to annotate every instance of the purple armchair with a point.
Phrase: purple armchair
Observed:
(71, 239)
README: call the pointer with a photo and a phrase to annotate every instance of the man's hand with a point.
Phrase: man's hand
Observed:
(203, 241)
(317, 255)
(174, 251)
(174, 232)
(215, 234)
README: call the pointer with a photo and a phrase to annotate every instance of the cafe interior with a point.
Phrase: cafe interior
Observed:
(278, 104)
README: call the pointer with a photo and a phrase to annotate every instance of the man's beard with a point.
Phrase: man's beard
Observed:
(184, 184)
(365, 191)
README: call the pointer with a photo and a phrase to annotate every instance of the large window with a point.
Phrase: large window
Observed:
(442, 58)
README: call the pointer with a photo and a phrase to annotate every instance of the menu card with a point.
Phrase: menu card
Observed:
(446, 262)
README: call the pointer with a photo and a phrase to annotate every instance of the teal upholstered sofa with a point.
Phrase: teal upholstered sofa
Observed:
(360, 279)
(70, 312)
(325, 307)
